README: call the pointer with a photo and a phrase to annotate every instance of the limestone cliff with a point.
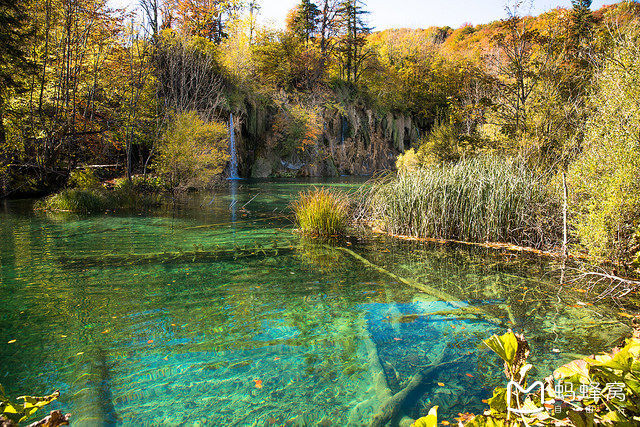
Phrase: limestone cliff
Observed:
(354, 141)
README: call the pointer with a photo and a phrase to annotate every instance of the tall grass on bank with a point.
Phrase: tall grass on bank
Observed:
(483, 199)
(322, 212)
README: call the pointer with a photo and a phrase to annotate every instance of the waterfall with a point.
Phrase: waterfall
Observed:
(233, 167)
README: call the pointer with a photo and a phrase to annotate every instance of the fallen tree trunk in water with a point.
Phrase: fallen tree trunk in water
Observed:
(392, 407)
(450, 299)
(176, 257)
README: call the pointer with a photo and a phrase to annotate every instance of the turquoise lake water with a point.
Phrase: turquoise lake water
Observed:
(214, 312)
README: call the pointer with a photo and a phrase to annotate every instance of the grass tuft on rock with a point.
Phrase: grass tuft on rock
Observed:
(322, 212)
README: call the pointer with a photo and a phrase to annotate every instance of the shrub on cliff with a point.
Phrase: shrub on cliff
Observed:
(193, 151)
(296, 128)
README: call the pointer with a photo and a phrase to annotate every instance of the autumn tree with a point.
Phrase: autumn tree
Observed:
(205, 18)
(285, 61)
(328, 24)
(253, 8)
(518, 66)
(13, 57)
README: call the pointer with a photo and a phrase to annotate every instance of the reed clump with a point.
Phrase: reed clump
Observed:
(322, 212)
(482, 199)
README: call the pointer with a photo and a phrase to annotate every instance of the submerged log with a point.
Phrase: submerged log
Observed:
(427, 290)
(175, 257)
(93, 400)
(391, 409)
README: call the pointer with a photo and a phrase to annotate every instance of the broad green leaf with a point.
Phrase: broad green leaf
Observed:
(580, 368)
(576, 419)
(498, 402)
(622, 361)
(614, 417)
(504, 346)
(430, 420)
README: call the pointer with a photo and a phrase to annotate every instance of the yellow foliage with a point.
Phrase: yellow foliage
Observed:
(193, 151)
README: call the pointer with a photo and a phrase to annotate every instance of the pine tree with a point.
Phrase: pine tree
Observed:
(354, 33)
(582, 21)
(306, 21)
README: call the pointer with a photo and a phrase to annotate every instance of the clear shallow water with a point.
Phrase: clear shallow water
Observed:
(217, 314)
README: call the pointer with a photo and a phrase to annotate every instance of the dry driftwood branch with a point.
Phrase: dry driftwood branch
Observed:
(597, 278)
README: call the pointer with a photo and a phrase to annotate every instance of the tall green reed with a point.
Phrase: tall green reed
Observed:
(322, 212)
(482, 199)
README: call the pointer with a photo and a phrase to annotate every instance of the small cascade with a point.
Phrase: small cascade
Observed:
(233, 167)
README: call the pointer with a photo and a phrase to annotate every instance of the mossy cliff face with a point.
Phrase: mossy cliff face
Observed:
(354, 141)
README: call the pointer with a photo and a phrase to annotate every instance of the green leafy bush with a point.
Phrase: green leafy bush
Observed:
(193, 152)
(442, 144)
(83, 178)
(126, 195)
(141, 184)
(76, 200)
(605, 179)
(322, 212)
